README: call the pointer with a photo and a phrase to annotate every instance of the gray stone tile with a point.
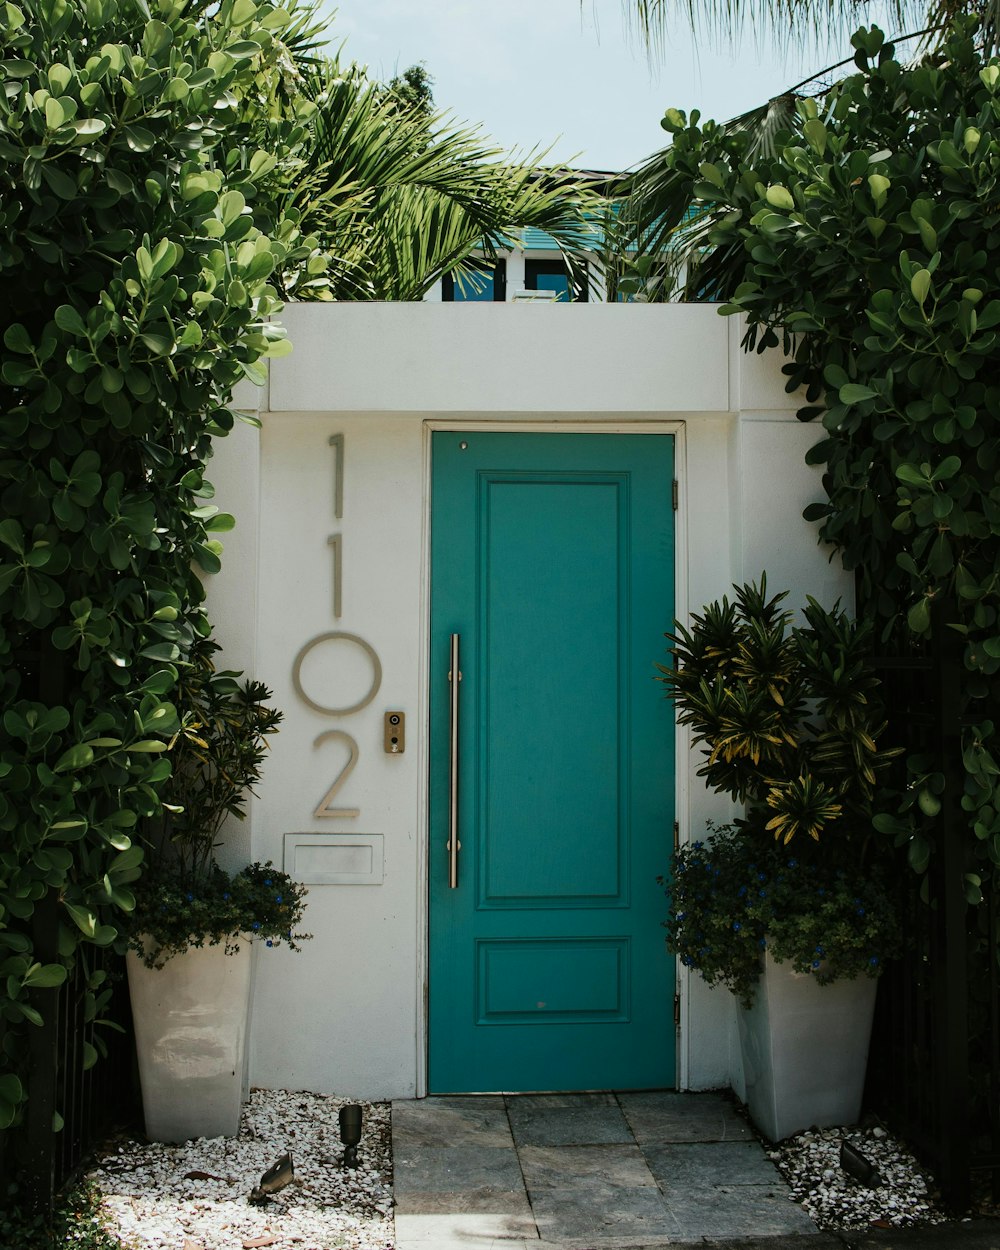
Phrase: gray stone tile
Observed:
(458, 1178)
(658, 1118)
(465, 1231)
(737, 1211)
(599, 1213)
(601, 1099)
(561, 1167)
(481, 1201)
(550, 1121)
(686, 1165)
(697, 1176)
(480, 1121)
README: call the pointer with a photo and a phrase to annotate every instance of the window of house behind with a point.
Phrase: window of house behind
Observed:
(488, 285)
(550, 275)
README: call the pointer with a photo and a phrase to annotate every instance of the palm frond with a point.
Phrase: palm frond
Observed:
(401, 196)
(764, 123)
(808, 24)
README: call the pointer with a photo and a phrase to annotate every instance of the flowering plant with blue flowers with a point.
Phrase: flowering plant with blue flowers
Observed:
(739, 893)
(185, 898)
(257, 902)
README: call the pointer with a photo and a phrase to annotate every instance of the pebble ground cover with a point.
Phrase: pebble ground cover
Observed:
(196, 1196)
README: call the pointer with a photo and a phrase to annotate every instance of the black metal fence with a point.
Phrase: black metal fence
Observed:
(73, 1102)
(934, 1071)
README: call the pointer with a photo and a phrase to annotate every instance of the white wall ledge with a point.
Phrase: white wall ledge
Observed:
(503, 358)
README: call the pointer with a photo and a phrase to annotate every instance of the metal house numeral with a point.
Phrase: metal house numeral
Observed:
(323, 808)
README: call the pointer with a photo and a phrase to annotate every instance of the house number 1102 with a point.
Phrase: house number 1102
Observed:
(338, 637)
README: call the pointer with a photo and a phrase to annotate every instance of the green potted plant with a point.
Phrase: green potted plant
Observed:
(192, 930)
(791, 906)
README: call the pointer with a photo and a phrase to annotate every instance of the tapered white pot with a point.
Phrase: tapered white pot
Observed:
(190, 1020)
(805, 1050)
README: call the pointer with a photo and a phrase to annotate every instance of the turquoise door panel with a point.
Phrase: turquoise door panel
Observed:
(552, 558)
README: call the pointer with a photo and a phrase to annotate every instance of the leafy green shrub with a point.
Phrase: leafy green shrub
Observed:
(790, 721)
(185, 898)
(737, 894)
(863, 237)
(216, 759)
(143, 159)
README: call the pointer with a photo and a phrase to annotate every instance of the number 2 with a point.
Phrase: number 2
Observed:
(324, 808)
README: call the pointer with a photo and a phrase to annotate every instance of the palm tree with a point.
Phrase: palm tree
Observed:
(399, 195)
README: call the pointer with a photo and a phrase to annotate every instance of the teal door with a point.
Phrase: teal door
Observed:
(552, 561)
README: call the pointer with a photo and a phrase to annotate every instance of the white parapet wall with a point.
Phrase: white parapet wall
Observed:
(324, 597)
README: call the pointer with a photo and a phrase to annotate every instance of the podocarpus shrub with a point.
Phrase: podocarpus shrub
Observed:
(143, 157)
(790, 723)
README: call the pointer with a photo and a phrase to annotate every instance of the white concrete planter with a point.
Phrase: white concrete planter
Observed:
(805, 1050)
(190, 1022)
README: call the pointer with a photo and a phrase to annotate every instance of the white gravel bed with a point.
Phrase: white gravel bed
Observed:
(810, 1163)
(196, 1196)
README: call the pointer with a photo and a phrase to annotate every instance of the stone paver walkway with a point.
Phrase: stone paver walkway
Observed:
(582, 1172)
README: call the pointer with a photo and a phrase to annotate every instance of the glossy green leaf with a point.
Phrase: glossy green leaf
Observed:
(920, 285)
(855, 393)
(67, 318)
(919, 616)
(17, 339)
(80, 755)
(84, 919)
(919, 853)
(45, 976)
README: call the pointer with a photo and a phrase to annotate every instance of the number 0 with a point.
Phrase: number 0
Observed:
(338, 635)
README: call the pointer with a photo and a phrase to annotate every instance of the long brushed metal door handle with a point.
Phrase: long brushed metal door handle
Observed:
(454, 846)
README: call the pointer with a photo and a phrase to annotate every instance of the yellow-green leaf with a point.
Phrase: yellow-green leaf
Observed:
(879, 186)
(780, 197)
(55, 116)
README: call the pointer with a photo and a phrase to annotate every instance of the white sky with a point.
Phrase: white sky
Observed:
(541, 72)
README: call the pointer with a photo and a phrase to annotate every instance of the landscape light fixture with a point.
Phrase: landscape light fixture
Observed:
(277, 1176)
(857, 1165)
(350, 1133)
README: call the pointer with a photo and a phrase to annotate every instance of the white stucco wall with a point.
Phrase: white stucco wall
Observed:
(346, 1015)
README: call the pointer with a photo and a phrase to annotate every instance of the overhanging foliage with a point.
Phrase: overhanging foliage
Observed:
(869, 242)
(142, 162)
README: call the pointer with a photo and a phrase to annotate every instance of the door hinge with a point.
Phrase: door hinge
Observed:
(676, 494)
(677, 834)
(677, 1011)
